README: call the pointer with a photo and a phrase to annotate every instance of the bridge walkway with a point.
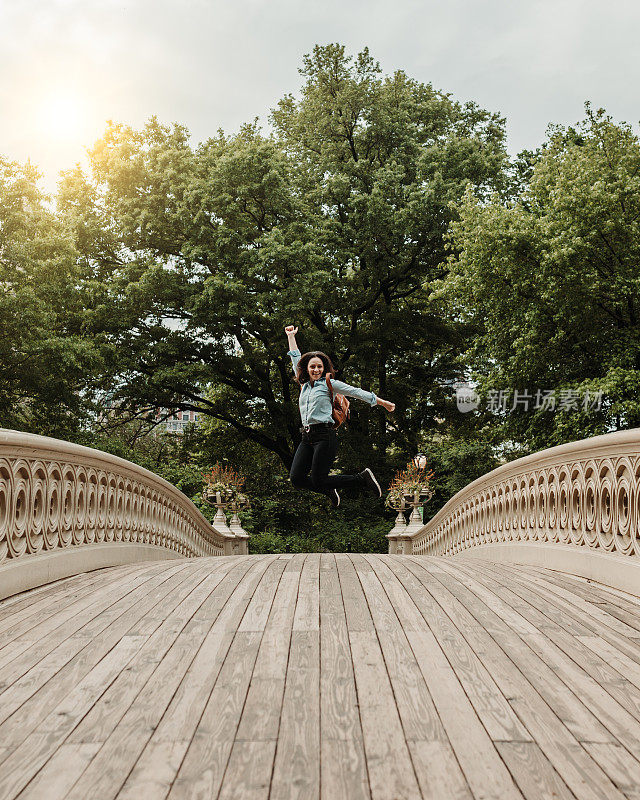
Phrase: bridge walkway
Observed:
(320, 676)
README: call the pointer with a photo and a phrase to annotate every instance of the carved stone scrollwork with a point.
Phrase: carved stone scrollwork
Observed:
(56, 495)
(583, 494)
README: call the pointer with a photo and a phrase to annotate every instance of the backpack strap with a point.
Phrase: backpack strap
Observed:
(330, 387)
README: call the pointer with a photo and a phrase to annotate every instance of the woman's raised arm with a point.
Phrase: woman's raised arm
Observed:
(291, 331)
(294, 353)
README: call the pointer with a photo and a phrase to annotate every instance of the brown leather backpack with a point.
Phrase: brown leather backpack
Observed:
(339, 405)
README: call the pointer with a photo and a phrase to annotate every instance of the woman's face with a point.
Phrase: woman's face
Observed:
(315, 368)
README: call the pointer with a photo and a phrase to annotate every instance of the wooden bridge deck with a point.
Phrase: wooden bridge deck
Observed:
(320, 677)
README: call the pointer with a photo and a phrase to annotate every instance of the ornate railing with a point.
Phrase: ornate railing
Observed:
(584, 494)
(58, 497)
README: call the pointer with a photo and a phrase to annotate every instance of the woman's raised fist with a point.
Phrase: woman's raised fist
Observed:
(290, 330)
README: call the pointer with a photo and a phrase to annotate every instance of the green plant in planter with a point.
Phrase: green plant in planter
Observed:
(224, 485)
(409, 485)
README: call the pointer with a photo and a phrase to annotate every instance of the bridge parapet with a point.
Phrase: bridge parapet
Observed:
(65, 508)
(583, 495)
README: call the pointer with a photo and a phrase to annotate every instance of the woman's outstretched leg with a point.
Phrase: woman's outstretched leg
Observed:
(305, 456)
(317, 457)
(324, 455)
(301, 467)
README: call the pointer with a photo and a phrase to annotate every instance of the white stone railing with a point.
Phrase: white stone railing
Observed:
(65, 508)
(583, 496)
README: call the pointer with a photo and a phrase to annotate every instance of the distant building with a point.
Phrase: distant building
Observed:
(176, 422)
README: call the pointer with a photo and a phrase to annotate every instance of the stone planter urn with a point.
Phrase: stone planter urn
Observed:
(409, 490)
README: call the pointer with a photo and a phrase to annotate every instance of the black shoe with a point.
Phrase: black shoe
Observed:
(334, 497)
(370, 482)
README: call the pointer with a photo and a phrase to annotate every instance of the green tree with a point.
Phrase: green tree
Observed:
(549, 282)
(334, 222)
(47, 362)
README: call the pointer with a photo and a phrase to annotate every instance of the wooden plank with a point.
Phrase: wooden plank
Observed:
(620, 765)
(248, 774)
(32, 610)
(27, 597)
(438, 771)
(573, 602)
(103, 718)
(369, 634)
(343, 770)
(307, 614)
(152, 776)
(19, 768)
(541, 595)
(128, 739)
(79, 587)
(615, 681)
(40, 596)
(478, 682)
(260, 718)
(76, 688)
(37, 748)
(418, 714)
(537, 608)
(600, 623)
(356, 609)
(389, 765)
(106, 774)
(192, 696)
(259, 608)
(616, 700)
(488, 701)
(620, 661)
(56, 779)
(588, 589)
(579, 771)
(613, 594)
(213, 662)
(423, 728)
(22, 647)
(339, 714)
(555, 629)
(296, 771)
(607, 701)
(629, 647)
(45, 638)
(567, 706)
(435, 763)
(482, 767)
(342, 757)
(206, 759)
(45, 692)
(65, 654)
(186, 707)
(532, 771)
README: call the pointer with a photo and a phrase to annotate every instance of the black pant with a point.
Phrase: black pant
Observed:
(316, 454)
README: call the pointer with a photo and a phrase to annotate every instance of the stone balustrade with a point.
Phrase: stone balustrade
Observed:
(65, 508)
(577, 498)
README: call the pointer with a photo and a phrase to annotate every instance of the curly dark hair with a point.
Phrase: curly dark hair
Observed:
(302, 373)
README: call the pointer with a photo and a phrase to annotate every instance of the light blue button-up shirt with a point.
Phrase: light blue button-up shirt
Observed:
(315, 401)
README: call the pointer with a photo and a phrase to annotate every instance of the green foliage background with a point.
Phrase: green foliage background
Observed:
(383, 218)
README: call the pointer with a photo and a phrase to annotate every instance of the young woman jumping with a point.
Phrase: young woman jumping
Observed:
(317, 450)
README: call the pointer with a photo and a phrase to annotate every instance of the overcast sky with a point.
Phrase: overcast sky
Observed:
(66, 66)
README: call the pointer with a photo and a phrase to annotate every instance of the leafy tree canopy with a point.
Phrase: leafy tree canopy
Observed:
(335, 221)
(549, 280)
(47, 362)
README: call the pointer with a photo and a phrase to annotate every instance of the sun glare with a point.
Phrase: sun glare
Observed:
(62, 114)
